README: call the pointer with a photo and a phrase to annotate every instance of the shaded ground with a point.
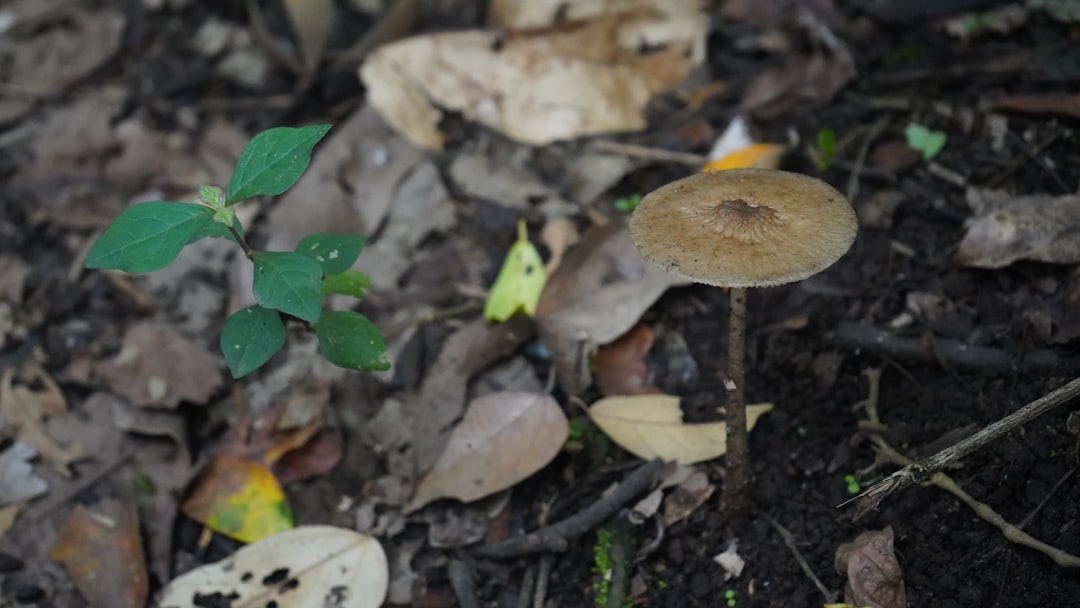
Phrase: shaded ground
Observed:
(909, 72)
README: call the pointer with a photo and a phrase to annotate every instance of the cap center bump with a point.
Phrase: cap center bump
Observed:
(736, 219)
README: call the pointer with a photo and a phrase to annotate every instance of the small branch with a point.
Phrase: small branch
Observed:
(789, 540)
(647, 153)
(557, 537)
(919, 472)
(463, 583)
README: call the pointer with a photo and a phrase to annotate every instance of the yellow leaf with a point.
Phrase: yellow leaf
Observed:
(240, 498)
(651, 426)
(754, 156)
(519, 283)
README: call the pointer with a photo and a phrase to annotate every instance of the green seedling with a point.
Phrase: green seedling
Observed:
(291, 284)
(602, 564)
(729, 598)
(822, 153)
(626, 204)
(853, 486)
(930, 143)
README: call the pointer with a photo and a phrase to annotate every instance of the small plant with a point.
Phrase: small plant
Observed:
(822, 153)
(626, 204)
(853, 486)
(929, 143)
(729, 598)
(602, 564)
(148, 236)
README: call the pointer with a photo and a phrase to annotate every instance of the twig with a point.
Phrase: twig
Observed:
(461, 579)
(860, 160)
(919, 472)
(928, 470)
(647, 153)
(1042, 503)
(557, 537)
(789, 540)
(951, 353)
(542, 577)
(528, 584)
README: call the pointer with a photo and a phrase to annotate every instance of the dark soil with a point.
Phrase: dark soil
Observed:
(805, 447)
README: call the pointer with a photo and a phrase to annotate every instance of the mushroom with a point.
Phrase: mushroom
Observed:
(743, 228)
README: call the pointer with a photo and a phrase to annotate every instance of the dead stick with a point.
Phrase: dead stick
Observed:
(557, 537)
(923, 470)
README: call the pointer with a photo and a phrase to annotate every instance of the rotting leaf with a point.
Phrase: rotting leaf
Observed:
(157, 367)
(17, 480)
(23, 410)
(316, 565)
(874, 576)
(537, 86)
(240, 498)
(101, 549)
(503, 438)
(620, 365)
(1006, 229)
(651, 426)
(687, 497)
(596, 295)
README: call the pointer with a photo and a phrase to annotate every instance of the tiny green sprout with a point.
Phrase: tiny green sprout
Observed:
(626, 204)
(661, 583)
(853, 486)
(822, 154)
(930, 143)
(729, 597)
(801, 431)
(602, 564)
(148, 236)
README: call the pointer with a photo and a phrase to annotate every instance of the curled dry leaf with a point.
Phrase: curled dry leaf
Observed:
(690, 494)
(651, 426)
(307, 566)
(598, 293)
(538, 86)
(503, 438)
(620, 366)
(101, 550)
(1006, 229)
(874, 576)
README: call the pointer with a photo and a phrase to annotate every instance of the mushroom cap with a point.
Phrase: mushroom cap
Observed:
(744, 227)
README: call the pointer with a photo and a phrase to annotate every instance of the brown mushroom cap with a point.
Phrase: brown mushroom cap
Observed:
(744, 227)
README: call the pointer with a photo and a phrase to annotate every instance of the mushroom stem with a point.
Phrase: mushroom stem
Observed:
(735, 499)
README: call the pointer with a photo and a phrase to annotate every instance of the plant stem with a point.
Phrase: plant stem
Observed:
(735, 499)
(240, 241)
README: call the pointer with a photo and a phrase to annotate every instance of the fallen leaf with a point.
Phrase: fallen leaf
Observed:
(101, 550)
(735, 149)
(514, 14)
(519, 283)
(620, 365)
(874, 578)
(28, 396)
(558, 235)
(157, 367)
(311, 22)
(596, 295)
(502, 439)
(731, 561)
(240, 498)
(1006, 228)
(537, 86)
(687, 497)
(651, 426)
(307, 566)
(17, 480)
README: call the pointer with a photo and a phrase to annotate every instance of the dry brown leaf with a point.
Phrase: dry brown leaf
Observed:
(28, 395)
(596, 295)
(651, 426)
(620, 365)
(1006, 229)
(535, 87)
(101, 550)
(311, 21)
(687, 497)
(322, 565)
(874, 576)
(157, 367)
(502, 439)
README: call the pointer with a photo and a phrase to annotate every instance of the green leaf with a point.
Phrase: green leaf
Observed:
(930, 143)
(349, 283)
(250, 337)
(212, 196)
(520, 281)
(147, 236)
(627, 204)
(289, 282)
(336, 252)
(347, 339)
(272, 161)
